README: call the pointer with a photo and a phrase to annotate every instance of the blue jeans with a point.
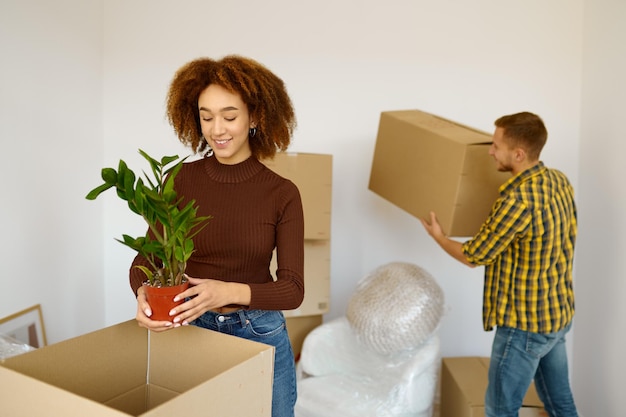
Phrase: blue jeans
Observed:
(517, 357)
(264, 326)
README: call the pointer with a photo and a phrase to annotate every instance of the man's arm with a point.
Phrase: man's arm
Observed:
(452, 247)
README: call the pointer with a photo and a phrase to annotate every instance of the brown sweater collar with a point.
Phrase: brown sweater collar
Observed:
(232, 173)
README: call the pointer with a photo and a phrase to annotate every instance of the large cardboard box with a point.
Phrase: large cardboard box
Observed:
(312, 173)
(463, 387)
(425, 163)
(124, 370)
(316, 279)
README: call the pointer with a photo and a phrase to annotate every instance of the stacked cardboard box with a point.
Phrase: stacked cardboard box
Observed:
(463, 387)
(312, 173)
(124, 370)
(425, 163)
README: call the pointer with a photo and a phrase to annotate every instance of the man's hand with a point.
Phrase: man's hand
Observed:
(452, 247)
(433, 227)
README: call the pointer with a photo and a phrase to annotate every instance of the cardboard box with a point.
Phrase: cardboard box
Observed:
(425, 163)
(463, 387)
(316, 279)
(124, 370)
(299, 328)
(312, 173)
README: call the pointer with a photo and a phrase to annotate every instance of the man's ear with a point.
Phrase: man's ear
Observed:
(520, 154)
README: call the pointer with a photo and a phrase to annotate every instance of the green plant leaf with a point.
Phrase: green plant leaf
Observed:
(166, 160)
(179, 254)
(168, 244)
(153, 162)
(140, 198)
(109, 175)
(134, 243)
(97, 191)
(146, 271)
(188, 245)
(121, 173)
(129, 185)
(154, 166)
(151, 184)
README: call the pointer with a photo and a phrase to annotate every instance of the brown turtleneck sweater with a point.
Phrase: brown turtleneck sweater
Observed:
(253, 211)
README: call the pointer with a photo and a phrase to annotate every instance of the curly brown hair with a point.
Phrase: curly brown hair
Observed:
(261, 90)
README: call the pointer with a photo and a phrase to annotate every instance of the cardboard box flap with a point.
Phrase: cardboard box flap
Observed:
(226, 353)
(23, 396)
(241, 380)
(446, 128)
(72, 365)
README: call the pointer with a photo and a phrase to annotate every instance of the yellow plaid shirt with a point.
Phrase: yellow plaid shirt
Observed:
(527, 247)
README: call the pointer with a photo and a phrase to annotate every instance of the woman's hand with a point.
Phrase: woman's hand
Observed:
(205, 295)
(144, 312)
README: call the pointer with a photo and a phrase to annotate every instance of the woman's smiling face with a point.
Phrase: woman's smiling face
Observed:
(225, 124)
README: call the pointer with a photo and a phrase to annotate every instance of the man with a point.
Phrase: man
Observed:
(527, 247)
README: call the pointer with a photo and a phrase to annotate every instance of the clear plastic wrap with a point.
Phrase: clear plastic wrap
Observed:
(398, 306)
(382, 360)
(12, 347)
(341, 377)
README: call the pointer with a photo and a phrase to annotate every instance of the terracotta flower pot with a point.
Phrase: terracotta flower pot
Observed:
(161, 300)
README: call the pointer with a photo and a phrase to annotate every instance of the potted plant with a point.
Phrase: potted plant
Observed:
(168, 243)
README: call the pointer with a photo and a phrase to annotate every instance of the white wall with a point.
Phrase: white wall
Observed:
(344, 63)
(104, 85)
(51, 136)
(601, 261)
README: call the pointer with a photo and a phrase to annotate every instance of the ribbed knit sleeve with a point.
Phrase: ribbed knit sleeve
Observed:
(288, 291)
(253, 211)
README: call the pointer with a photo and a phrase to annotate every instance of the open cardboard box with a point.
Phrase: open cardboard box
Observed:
(124, 370)
(463, 387)
(425, 163)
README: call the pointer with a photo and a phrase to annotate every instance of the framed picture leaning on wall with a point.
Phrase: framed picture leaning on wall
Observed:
(25, 326)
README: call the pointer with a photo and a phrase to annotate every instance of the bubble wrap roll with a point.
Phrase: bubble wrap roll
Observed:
(396, 307)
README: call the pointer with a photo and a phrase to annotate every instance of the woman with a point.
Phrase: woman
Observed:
(235, 112)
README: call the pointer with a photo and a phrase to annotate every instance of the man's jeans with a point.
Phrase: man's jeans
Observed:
(517, 357)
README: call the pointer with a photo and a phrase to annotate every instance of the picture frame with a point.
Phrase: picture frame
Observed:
(25, 326)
